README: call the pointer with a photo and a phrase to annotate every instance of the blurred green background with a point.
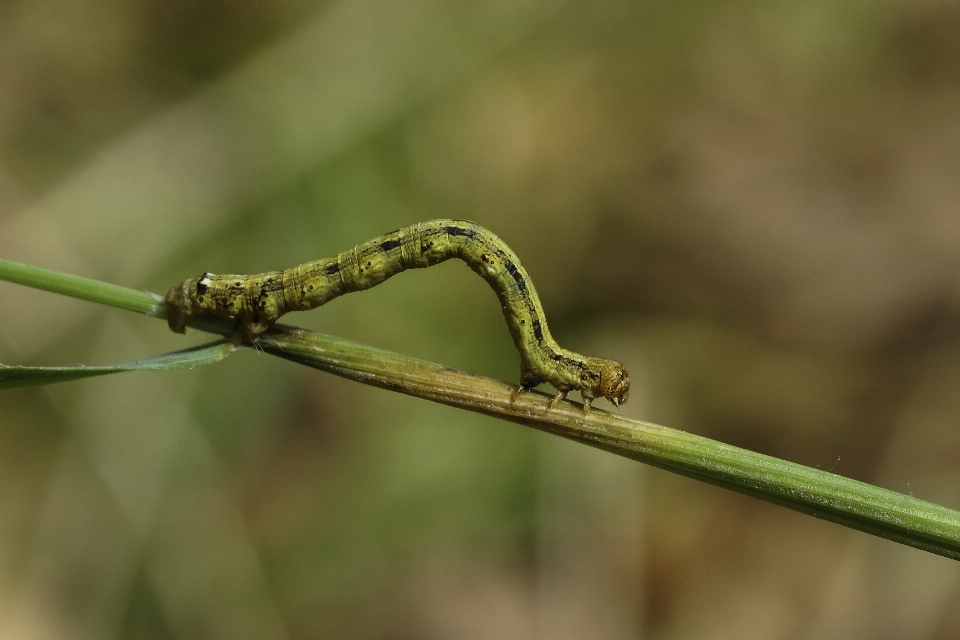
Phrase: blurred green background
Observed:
(753, 204)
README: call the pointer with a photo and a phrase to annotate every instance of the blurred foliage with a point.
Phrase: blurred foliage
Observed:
(780, 177)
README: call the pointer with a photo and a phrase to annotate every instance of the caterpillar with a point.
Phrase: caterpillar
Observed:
(257, 301)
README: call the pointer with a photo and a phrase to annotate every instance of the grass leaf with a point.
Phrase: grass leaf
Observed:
(15, 377)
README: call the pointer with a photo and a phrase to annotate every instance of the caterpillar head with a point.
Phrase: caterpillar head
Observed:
(609, 379)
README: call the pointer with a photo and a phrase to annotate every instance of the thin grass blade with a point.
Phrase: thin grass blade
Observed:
(12, 377)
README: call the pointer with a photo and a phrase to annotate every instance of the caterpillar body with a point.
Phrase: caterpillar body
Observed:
(257, 301)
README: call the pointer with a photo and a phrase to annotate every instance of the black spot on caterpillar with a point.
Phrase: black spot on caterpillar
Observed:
(257, 301)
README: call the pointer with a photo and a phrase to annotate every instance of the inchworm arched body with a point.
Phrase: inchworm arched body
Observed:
(257, 301)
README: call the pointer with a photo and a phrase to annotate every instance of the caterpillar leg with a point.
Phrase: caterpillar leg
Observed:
(561, 395)
(527, 381)
(239, 336)
(586, 404)
(526, 384)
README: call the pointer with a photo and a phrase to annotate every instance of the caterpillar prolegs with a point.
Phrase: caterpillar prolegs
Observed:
(257, 301)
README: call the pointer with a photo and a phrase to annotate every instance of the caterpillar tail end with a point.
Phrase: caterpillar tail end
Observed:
(179, 307)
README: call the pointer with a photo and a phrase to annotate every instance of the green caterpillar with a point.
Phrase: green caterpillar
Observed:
(257, 301)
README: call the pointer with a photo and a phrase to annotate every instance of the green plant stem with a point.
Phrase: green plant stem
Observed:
(854, 504)
(84, 288)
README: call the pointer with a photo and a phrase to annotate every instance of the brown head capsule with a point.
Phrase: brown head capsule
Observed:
(606, 378)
